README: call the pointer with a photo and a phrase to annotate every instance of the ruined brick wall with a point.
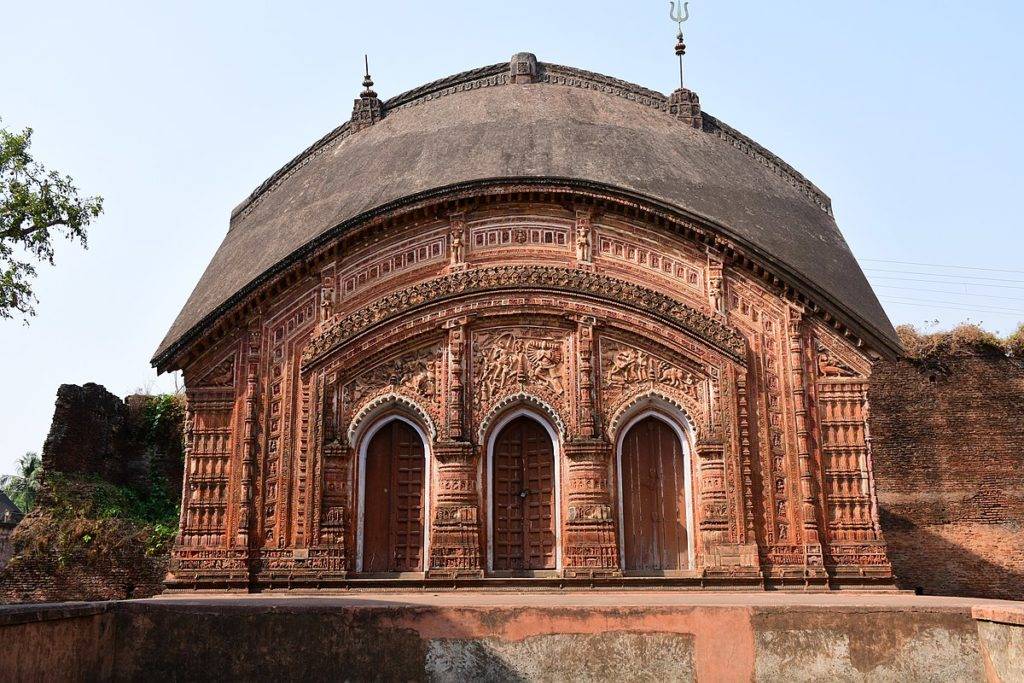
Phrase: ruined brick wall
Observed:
(41, 578)
(98, 531)
(948, 445)
(94, 432)
(6, 548)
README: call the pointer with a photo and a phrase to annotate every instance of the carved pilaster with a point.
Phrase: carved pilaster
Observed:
(455, 528)
(808, 500)
(456, 409)
(585, 375)
(332, 519)
(746, 457)
(589, 545)
(250, 435)
(714, 505)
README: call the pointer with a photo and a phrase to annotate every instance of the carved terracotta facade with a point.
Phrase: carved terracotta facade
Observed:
(574, 308)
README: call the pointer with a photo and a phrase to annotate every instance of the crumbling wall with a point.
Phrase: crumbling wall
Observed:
(108, 507)
(96, 433)
(948, 447)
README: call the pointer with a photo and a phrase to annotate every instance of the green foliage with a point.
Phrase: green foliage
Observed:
(97, 509)
(162, 420)
(23, 488)
(36, 205)
(1015, 343)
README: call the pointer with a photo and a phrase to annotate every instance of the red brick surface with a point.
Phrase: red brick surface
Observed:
(948, 447)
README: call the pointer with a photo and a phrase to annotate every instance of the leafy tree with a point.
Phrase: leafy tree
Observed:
(22, 488)
(36, 206)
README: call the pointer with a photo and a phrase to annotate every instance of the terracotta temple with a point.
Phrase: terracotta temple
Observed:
(530, 324)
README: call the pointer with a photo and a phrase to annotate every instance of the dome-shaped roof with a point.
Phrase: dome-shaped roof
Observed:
(566, 125)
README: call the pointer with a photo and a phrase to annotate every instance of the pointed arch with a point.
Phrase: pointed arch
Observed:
(363, 446)
(657, 401)
(551, 417)
(392, 402)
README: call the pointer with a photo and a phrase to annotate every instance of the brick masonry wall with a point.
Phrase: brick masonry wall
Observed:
(948, 448)
(41, 579)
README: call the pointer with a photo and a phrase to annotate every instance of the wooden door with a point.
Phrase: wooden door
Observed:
(653, 498)
(523, 506)
(393, 500)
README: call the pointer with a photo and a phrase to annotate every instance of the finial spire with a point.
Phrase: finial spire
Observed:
(367, 81)
(368, 109)
(680, 16)
(683, 104)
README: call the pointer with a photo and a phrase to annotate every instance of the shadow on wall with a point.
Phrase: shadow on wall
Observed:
(940, 559)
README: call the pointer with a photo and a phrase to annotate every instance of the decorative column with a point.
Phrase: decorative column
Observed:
(250, 433)
(813, 557)
(589, 545)
(714, 505)
(332, 514)
(455, 527)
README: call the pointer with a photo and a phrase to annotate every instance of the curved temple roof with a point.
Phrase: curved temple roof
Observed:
(566, 125)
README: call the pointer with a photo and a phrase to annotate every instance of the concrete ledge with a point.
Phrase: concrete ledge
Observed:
(1013, 616)
(11, 615)
(513, 635)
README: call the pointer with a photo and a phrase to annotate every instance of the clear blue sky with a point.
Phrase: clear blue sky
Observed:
(908, 114)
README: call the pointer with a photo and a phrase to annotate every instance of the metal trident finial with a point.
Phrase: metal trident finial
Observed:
(681, 15)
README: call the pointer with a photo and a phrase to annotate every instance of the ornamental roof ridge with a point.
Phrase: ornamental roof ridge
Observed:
(551, 74)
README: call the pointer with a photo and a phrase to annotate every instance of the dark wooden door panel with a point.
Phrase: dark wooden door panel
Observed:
(653, 495)
(393, 500)
(523, 508)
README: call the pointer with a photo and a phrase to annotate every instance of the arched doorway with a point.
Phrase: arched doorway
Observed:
(524, 515)
(393, 500)
(654, 497)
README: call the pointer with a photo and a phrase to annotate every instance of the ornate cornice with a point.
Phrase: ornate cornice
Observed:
(518, 278)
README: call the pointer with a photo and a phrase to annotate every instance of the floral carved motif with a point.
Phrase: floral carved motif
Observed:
(519, 278)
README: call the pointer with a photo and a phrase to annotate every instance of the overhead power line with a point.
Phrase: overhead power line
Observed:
(956, 305)
(961, 277)
(940, 291)
(944, 282)
(937, 265)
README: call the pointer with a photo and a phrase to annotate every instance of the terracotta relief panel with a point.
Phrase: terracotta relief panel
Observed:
(524, 234)
(635, 249)
(382, 262)
(629, 369)
(416, 374)
(511, 360)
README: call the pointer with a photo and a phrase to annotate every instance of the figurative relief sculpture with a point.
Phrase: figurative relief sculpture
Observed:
(508, 359)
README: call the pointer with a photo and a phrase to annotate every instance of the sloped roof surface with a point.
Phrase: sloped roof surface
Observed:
(570, 125)
(9, 512)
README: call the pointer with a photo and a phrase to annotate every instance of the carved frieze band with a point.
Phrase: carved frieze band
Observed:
(518, 278)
